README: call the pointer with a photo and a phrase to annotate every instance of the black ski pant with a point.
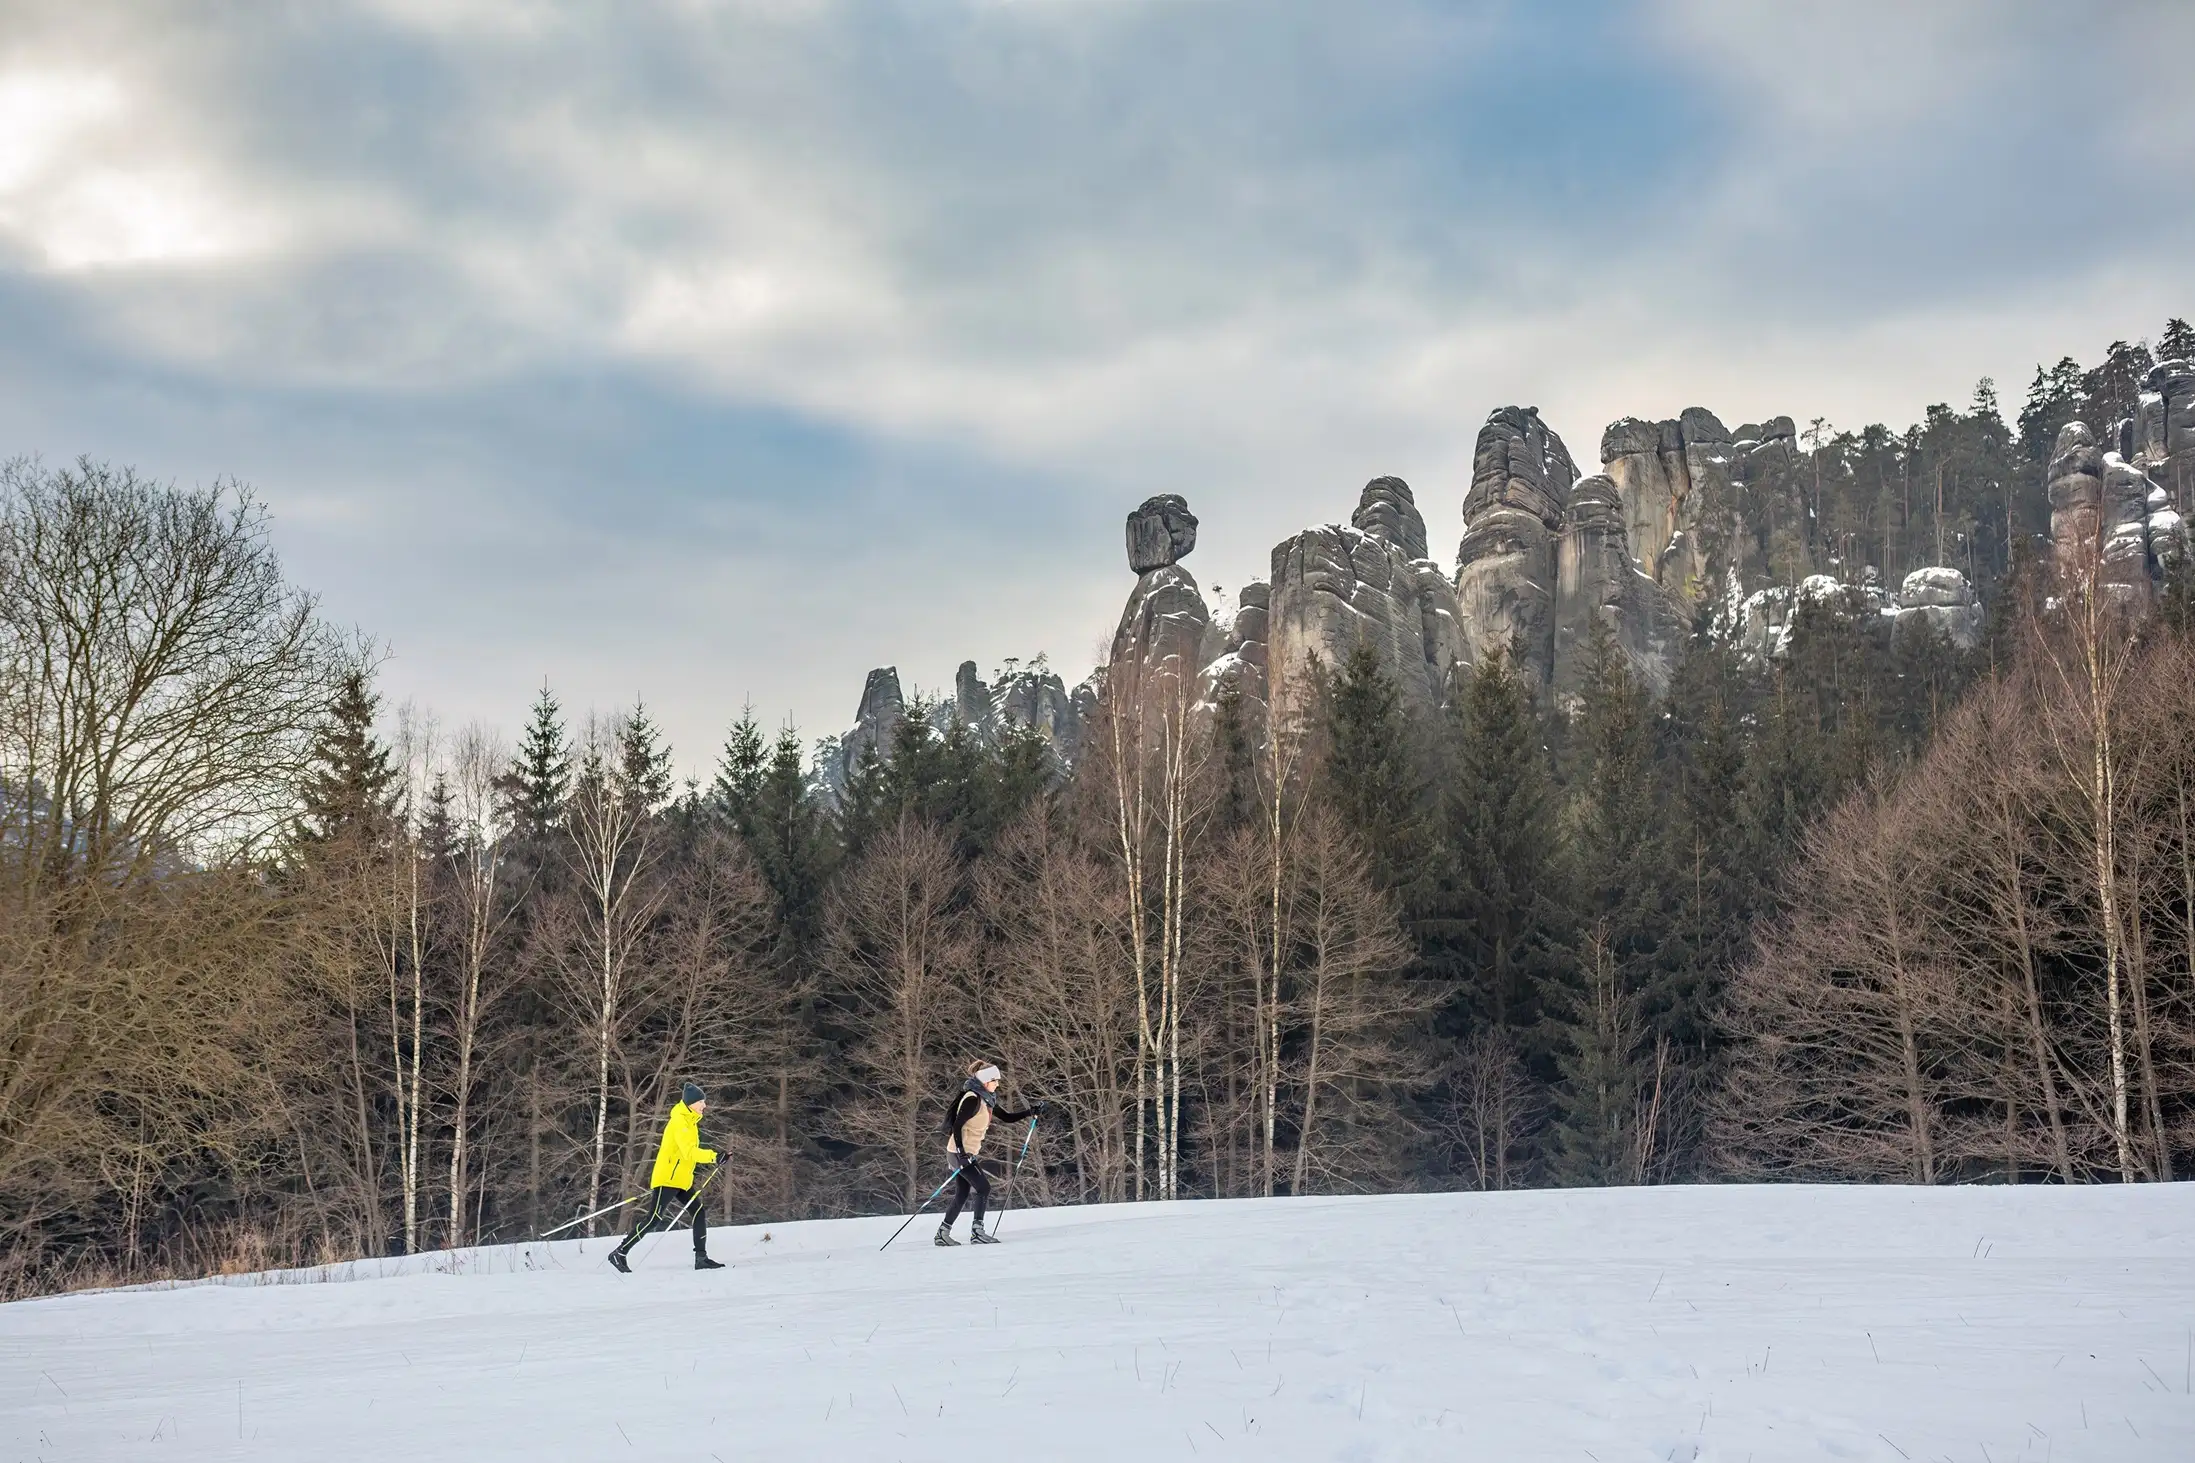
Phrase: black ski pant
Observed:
(660, 1209)
(970, 1178)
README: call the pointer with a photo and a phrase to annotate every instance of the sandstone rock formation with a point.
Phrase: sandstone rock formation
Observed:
(1763, 623)
(2076, 497)
(1705, 508)
(1336, 587)
(1161, 532)
(882, 707)
(2124, 521)
(1505, 567)
(1940, 600)
(1545, 556)
(1166, 636)
(1596, 582)
(2117, 502)
(2164, 428)
(1035, 697)
(1241, 668)
(971, 705)
(1031, 697)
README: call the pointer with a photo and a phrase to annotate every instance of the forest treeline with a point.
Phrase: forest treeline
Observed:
(287, 975)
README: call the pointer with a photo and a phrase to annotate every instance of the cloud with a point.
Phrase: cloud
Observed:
(716, 351)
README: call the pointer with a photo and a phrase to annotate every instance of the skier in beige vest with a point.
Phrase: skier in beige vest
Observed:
(973, 1110)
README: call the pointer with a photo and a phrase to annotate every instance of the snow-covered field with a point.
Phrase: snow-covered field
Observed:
(1774, 1324)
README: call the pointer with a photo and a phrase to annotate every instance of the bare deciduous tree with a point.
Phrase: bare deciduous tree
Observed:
(614, 854)
(897, 947)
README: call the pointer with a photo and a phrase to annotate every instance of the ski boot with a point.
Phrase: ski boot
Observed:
(703, 1262)
(945, 1240)
(981, 1238)
(617, 1263)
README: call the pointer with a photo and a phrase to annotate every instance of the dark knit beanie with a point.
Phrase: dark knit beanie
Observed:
(692, 1094)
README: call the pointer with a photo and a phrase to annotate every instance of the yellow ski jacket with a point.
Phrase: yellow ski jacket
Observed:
(681, 1150)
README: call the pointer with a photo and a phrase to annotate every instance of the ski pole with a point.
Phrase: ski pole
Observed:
(1008, 1203)
(880, 1249)
(582, 1219)
(691, 1200)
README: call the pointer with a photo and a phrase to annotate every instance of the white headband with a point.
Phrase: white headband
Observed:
(988, 1074)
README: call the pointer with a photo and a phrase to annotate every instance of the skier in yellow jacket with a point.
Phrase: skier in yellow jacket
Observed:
(671, 1184)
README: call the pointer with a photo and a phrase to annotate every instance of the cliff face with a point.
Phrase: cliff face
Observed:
(1705, 508)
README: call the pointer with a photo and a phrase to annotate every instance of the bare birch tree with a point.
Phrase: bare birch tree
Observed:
(614, 856)
(484, 907)
(2078, 659)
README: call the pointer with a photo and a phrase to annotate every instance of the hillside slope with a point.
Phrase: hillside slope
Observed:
(1683, 1323)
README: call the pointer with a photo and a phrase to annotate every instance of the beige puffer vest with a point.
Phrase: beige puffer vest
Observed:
(972, 1131)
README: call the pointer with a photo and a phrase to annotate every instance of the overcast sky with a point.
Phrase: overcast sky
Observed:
(715, 353)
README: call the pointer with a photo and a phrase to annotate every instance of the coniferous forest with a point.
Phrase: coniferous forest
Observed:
(288, 974)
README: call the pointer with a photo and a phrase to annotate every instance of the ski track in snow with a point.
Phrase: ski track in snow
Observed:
(1617, 1326)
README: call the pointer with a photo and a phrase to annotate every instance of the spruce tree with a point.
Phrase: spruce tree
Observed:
(739, 771)
(438, 833)
(1710, 879)
(539, 779)
(1501, 895)
(1620, 964)
(351, 785)
(1618, 854)
(1601, 1074)
(2178, 341)
(1373, 778)
(643, 762)
(1239, 803)
(784, 827)
(1786, 780)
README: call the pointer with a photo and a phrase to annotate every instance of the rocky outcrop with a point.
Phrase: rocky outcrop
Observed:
(2117, 502)
(1035, 697)
(1706, 508)
(1762, 624)
(2163, 437)
(1161, 532)
(1545, 557)
(1031, 697)
(1938, 601)
(1505, 566)
(1597, 583)
(1368, 583)
(971, 706)
(1241, 669)
(1165, 637)
(883, 706)
(2128, 568)
(2076, 498)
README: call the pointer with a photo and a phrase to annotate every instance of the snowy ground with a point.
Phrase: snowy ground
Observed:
(1695, 1323)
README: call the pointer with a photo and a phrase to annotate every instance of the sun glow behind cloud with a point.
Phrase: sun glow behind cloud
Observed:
(80, 191)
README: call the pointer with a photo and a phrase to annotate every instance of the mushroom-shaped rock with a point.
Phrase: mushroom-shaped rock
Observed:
(1160, 532)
